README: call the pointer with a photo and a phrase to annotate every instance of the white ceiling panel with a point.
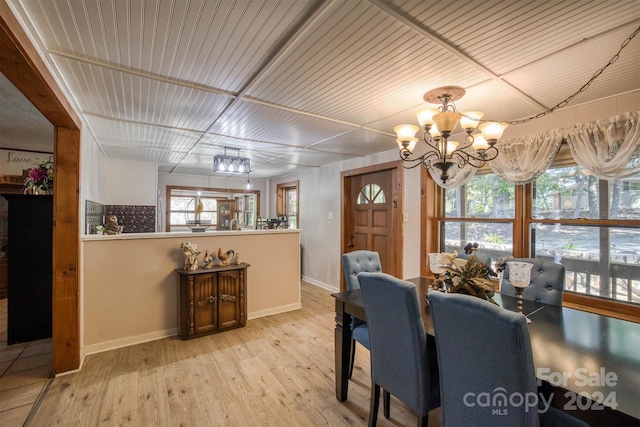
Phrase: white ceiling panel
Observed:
(217, 43)
(126, 96)
(506, 35)
(358, 64)
(554, 78)
(297, 84)
(116, 132)
(259, 122)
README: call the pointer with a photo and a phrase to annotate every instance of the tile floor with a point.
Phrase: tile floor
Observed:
(25, 369)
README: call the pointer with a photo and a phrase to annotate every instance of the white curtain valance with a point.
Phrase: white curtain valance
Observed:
(607, 148)
(522, 160)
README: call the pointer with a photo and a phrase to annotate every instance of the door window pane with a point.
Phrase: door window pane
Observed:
(371, 193)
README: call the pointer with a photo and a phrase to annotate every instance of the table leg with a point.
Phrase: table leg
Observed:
(342, 349)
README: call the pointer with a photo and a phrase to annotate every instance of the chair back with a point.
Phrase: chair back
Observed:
(547, 282)
(357, 262)
(485, 361)
(399, 362)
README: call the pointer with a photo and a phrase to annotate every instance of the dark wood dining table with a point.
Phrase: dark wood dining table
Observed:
(588, 363)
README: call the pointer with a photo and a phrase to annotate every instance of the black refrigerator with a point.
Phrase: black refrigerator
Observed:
(29, 267)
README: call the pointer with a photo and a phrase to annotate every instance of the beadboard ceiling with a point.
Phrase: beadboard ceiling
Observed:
(299, 84)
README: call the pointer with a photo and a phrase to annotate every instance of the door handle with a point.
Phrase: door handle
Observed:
(211, 299)
(350, 245)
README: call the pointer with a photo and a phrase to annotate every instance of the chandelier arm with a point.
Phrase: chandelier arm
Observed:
(409, 163)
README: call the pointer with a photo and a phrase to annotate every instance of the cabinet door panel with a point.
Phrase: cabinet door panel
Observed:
(205, 301)
(230, 298)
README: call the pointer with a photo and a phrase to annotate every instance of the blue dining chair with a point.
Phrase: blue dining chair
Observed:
(353, 263)
(486, 363)
(400, 361)
(547, 282)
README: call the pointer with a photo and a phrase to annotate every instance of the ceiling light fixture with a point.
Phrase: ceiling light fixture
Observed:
(231, 164)
(438, 124)
(477, 149)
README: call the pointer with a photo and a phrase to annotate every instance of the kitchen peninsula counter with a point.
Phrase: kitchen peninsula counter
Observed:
(130, 287)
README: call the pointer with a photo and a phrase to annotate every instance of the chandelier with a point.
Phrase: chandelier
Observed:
(231, 164)
(438, 124)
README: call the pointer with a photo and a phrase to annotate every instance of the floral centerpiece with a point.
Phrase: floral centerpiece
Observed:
(467, 276)
(40, 179)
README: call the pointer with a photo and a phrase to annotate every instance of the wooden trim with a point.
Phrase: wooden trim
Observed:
(23, 67)
(397, 190)
(280, 191)
(66, 250)
(431, 202)
(520, 232)
(618, 309)
(626, 223)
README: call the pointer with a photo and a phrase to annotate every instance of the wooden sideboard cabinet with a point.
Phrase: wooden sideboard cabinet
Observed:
(211, 300)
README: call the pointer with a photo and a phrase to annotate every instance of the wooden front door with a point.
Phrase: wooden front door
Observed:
(371, 215)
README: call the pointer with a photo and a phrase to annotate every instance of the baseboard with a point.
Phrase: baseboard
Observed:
(125, 342)
(320, 284)
(139, 339)
(274, 310)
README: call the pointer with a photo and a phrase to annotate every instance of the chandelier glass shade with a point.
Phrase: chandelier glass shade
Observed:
(438, 125)
(231, 164)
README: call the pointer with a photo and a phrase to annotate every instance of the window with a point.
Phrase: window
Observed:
(183, 201)
(568, 216)
(481, 211)
(183, 209)
(371, 193)
(591, 227)
(288, 203)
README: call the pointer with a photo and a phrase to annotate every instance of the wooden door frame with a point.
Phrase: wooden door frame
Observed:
(24, 68)
(396, 213)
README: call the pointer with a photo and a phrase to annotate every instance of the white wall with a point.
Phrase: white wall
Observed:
(131, 183)
(320, 193)
(567, 117)
(93, 171)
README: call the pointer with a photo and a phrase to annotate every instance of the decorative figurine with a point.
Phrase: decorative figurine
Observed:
(224, 256)
(190, 253)
(238, 258)
(208, 260)
(112, 227)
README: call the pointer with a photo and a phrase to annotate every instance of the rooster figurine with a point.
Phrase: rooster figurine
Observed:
(224, 256)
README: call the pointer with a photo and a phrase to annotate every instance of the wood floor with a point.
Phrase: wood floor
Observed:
(276, 371)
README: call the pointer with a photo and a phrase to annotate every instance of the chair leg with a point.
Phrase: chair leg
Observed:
(423, 421)
(373, 409)
(352, 357)
(386, 403)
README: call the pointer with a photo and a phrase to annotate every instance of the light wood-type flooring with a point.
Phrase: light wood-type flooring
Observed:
(276, 371)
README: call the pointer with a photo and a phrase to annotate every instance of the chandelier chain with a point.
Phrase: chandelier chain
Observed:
(584, 87)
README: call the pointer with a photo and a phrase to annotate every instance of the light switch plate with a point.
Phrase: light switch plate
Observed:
(330, 216)
(405, 217)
